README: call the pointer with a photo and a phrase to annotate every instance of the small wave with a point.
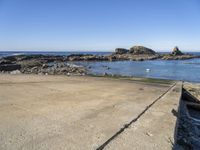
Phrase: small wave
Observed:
(16, 54)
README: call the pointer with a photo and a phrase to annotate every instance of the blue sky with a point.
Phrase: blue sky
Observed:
(100, 25)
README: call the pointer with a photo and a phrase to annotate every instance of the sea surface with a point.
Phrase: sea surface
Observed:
(185, 70)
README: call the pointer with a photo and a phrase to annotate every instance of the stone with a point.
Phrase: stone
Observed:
(176, 51)
(4, 62)
(141, 50)
(30, 63)
(15, 72)
(10, 67)
(121, 51)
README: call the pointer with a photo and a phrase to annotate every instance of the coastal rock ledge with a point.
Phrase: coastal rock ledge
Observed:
(176, 54)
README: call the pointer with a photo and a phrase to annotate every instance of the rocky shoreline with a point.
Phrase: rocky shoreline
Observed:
(39, 64)
(50, 64)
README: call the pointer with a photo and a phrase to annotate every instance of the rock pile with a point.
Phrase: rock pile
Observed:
(178, 55)
(176, 51)
(39, 64)
(55, 69)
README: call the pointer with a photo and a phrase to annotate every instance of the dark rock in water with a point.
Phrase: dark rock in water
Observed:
(56, 69)
(30, 63)
(3, 62)
(176, 51)
(10, 67)
(137, 50)
(121, 51)
(178, 57)
(85, 57)
(46, 58)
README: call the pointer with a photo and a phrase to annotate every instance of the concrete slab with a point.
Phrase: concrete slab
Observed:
(58, 112)
(155, 129)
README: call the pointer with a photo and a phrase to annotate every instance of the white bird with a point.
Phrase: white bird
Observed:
(147, 70)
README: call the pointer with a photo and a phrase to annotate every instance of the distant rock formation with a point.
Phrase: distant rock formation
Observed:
(176, 51)
(121, 51)
(137, 50)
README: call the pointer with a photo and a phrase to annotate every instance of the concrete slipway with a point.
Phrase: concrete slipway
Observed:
(59, 113)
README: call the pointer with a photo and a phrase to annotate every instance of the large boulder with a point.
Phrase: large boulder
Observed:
(121, 51)
(141, 50)
(176, 51)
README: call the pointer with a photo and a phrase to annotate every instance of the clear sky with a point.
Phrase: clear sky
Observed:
(99, 25)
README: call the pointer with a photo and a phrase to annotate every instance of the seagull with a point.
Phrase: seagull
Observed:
(147, 70)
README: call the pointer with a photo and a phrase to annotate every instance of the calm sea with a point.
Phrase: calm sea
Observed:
(186, 70)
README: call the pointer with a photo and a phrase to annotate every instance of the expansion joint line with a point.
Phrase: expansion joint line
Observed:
(134, 120)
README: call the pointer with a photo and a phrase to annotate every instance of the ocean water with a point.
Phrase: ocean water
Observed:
(61, 53)
(185, 70)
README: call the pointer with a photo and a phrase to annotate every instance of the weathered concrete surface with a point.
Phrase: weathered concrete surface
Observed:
(58, 112)
(155, 130)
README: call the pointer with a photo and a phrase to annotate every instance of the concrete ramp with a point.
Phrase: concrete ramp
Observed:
(59, 112)
(155, 129)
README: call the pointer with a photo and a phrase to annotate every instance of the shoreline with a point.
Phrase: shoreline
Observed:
(115, 77)
(67, 65)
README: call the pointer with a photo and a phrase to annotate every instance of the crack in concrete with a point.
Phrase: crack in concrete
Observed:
(101, 147)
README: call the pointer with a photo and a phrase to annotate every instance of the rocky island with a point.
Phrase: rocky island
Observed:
(51, 64)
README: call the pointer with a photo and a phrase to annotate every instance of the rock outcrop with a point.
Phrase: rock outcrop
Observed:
(56, 69)
(10, 67)
(121, 51)
(138, 50)
(176, 51)
(39, 64)
(85, 57)
(178, 55)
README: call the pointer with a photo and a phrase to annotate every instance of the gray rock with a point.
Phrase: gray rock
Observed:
(121, 51)
(10, 67)
(137, 50)
(4, 62)
(176, 51)
(15, 72)
(30, 63)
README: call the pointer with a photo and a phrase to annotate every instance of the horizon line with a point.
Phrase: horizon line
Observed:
(44, 50)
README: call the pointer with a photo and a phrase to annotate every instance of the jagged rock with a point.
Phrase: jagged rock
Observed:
(56, 68)
(85, 57)
(45, 58)
(3, 62)
(137, 50)
(10, 67)
(178, 57)
(30, 63)
(176, 51)
(121, 51)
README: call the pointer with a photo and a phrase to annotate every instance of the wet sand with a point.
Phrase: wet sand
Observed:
(59, 112)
